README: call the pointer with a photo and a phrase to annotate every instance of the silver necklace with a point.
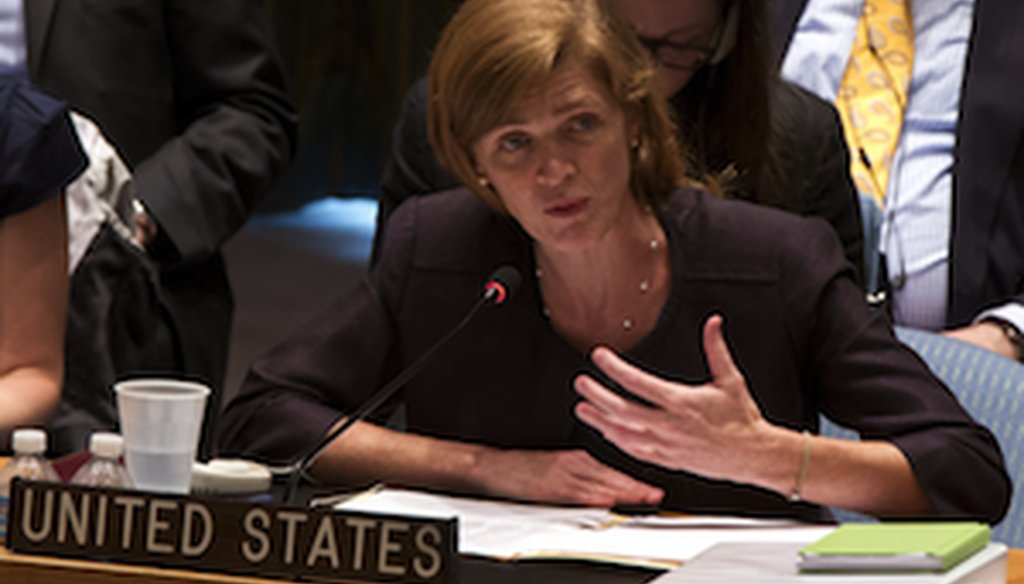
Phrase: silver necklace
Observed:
(644, 286)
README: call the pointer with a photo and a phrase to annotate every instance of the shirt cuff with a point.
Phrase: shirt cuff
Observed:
(1011, 312)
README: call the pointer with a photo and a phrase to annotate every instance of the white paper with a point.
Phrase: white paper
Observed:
(506, 530)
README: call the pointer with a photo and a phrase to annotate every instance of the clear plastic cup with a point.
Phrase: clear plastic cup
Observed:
(160, 421)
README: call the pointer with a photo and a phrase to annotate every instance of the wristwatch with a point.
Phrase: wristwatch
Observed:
(1013, 334)
(144, 228)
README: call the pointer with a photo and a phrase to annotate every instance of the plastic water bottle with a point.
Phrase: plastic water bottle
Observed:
(28, 462)
(104, 469)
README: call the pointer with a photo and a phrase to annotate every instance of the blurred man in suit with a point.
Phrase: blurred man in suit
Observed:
(953, 230)
(192, 96)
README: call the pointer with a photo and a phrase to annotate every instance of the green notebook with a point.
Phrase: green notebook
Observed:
(894, 547)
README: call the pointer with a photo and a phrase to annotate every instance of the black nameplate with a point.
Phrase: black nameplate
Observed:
(204, 533)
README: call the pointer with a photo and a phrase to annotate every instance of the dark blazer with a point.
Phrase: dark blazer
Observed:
(795, 320)
(192, 95)
(814, 165)
(987, 239)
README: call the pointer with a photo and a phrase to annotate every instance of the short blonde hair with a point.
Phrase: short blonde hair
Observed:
(494, 53)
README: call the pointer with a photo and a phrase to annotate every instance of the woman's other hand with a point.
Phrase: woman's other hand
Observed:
(561, 476)
(369, 453)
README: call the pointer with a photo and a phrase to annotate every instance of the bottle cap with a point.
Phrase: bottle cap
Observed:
(106, 444)
(28, 441)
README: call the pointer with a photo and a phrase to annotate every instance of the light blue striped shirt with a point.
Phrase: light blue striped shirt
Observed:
(918, 214)
(12, 36)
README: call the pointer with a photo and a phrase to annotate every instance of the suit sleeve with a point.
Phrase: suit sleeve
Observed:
(867, 380)
(237, 128)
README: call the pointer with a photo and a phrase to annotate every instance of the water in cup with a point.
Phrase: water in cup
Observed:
(160, 421)
(151, 471)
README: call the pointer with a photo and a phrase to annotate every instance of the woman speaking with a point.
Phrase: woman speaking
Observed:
(667, 347)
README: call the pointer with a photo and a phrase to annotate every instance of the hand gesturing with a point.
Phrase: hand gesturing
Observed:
(708, 429)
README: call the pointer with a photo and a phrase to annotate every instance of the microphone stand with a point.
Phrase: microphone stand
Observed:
(493, 295)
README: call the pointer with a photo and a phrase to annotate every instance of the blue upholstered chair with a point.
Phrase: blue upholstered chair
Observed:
(991, 388)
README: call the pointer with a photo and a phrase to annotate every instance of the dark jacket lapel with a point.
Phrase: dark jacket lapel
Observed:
(38, 14)
(782, 17)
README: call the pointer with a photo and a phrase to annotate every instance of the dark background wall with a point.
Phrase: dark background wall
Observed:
(350, 63)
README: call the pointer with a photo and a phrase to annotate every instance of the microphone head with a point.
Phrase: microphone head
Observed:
(502, 285)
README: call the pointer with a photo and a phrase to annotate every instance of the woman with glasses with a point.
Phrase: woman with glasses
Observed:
(758, 137)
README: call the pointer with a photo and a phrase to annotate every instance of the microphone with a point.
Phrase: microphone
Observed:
(502, 284)
(499, 289)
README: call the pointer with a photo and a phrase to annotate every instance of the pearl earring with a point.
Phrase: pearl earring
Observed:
(483, 182)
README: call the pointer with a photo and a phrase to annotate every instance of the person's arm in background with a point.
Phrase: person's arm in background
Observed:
(238, 127)
(412, 169)
(33, 304)
(41, 154)
(1000, 330)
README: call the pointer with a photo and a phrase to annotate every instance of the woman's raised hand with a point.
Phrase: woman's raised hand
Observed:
(713, 429)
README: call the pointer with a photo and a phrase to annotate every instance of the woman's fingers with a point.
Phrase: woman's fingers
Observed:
(625, 488)
(637, 441)
(648, 386)
(567, 476)
(723, 369)
(686, 424)
(599, 478)
(632, 420)
(626, 412)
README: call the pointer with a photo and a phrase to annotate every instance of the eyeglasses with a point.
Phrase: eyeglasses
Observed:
(685, 56)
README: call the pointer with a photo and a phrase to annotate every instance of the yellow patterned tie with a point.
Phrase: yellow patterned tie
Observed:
(873, 92)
